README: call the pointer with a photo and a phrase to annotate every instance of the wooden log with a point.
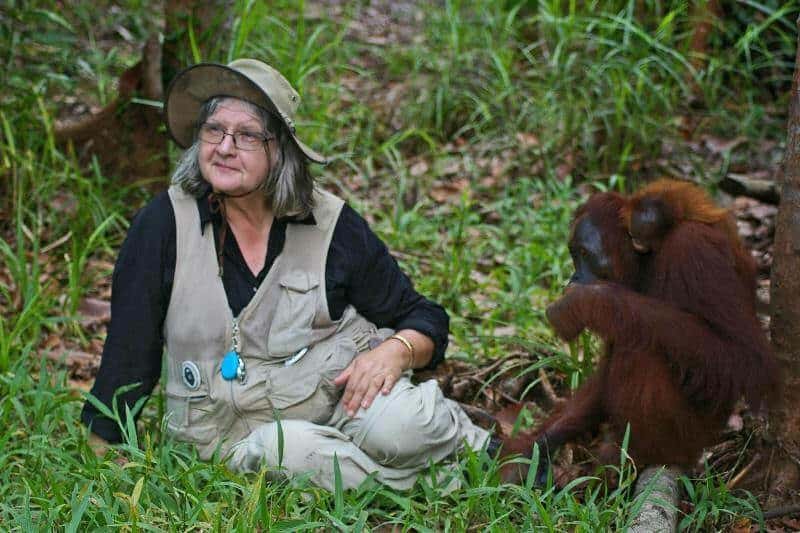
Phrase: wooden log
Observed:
(762, 190)
(658, 486)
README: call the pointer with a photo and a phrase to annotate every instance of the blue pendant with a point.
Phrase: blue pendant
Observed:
(232, 366)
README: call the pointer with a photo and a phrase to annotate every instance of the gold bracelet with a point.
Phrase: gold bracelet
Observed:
(408, 345)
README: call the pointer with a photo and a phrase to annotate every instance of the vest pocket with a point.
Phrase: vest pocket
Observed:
(305, 390)
(189, 414)
(294, 314)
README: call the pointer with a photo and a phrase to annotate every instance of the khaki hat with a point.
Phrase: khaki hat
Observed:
(247, 79)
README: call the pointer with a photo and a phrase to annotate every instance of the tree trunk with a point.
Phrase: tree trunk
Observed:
(126, 137)
(210, 24)
(705, 14)
(785, 297)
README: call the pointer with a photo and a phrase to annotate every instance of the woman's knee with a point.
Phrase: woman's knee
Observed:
(286, 444)
(410, 427)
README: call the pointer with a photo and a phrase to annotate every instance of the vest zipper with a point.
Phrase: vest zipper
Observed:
(236, 347)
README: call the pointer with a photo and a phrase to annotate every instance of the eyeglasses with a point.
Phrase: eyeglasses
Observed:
(243, 140)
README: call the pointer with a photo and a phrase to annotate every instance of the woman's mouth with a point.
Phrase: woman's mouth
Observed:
(224, 167)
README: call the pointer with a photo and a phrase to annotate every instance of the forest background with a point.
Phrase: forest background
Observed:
(467, 133)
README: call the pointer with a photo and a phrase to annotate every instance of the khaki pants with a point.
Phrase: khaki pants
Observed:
(396, 438)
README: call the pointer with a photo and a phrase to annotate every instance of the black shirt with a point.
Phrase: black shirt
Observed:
(359, 271)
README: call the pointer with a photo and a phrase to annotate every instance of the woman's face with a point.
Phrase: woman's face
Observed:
(227, 168)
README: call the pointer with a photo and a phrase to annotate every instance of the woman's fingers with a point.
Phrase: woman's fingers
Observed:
(349, 380)
(342, 378)
(388, 383)
(369, 374)
(380, 383)
(359, 383)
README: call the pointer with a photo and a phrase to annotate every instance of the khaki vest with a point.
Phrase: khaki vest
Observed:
(291, 348)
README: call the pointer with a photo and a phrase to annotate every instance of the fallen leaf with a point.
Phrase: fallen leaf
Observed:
(496, 167)
(505, 331)
(452, 168)
(419, 168)
(527, 140)
(94, 311)
(84, 385)
(741, 525)
(489, 181)
(763, 211)
(51, 342)
(449, 191)
(720, 146)
(565, 168)
(792, 523)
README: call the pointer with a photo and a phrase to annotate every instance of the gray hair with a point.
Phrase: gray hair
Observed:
(289, 186)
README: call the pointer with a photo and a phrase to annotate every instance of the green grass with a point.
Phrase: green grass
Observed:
(520, 107)
(163, 486)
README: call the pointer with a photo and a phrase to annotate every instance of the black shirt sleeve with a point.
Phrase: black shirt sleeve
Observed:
(360, 271)
(141, 286)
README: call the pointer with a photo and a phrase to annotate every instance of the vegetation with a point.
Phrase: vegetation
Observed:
(466, 131)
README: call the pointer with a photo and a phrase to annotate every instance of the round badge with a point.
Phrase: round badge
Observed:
(190, 374)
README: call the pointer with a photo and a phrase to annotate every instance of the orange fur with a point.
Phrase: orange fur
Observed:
(682, 339)
(689, 203)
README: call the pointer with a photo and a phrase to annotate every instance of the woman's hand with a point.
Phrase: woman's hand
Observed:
(372, 371)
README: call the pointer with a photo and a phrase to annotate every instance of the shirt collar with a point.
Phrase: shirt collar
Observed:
(207, 216)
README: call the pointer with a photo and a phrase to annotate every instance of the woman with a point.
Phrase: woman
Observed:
(274, 301)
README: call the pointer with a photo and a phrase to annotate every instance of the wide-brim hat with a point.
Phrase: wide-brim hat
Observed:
(247, 79)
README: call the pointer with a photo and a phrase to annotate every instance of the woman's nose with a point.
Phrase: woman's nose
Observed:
(227, 145)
